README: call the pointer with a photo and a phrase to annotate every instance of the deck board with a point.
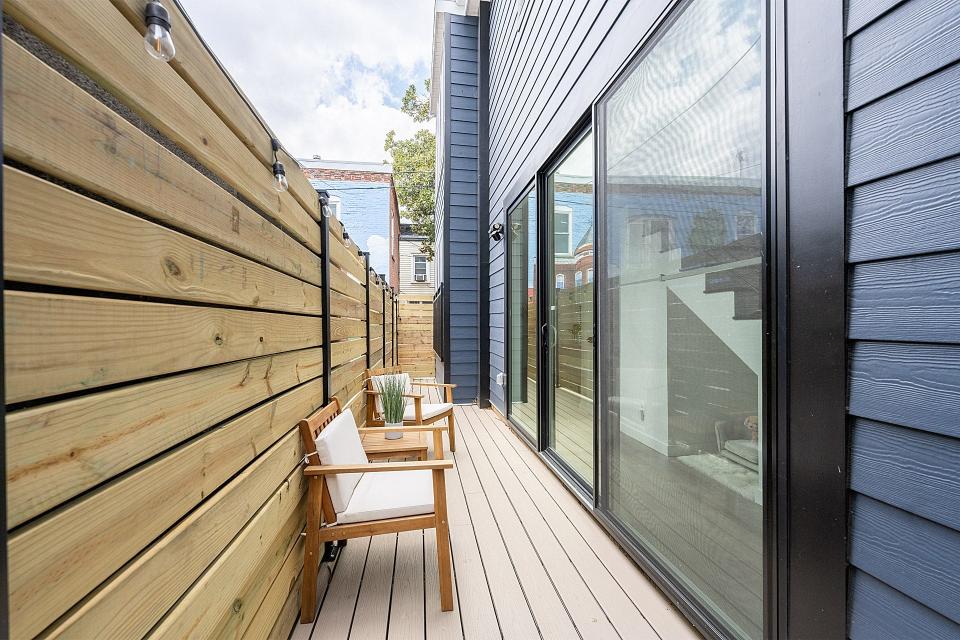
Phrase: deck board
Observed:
(529, 561)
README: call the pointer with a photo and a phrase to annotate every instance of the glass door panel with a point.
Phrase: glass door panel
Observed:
(682, 307)
(569, 394)
(524, 330)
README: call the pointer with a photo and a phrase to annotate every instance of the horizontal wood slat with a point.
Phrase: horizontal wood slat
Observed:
(58, 343)
(57, 237)
(58, 450)
(57, 561)
(198, 67)
(55, 126)
(99, 40)
(119, 609)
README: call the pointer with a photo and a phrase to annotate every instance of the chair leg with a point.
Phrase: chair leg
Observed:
(444, 562)
(450, 430)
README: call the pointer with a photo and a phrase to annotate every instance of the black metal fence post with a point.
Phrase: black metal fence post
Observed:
(366, 286)
(325, 297)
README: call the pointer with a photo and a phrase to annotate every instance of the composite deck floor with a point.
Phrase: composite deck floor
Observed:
(529, 561)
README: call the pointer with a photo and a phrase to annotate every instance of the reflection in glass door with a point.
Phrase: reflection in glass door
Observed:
(681, 306)
(524, 334)
(569, 394)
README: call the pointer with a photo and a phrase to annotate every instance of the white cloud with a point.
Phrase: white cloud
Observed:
(326, 75)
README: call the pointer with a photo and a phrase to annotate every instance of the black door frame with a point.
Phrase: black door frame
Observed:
(804, 291)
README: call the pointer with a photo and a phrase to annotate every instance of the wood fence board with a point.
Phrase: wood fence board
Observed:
(99, 40)
(57, 127)
(57, 343)
(58, 450)
(166, 570)
(61, 558)
(198, 67)
(58, 237)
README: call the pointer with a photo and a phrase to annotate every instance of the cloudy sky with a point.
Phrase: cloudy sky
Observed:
(327, 75)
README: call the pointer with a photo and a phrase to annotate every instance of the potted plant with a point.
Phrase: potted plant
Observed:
(391, 396)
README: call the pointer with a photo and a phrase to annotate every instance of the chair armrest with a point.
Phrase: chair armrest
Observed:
(329, 469)
(411, 428)
(433, 384)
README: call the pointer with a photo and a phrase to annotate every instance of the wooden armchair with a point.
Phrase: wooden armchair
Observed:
(417, 411)
(356, 498)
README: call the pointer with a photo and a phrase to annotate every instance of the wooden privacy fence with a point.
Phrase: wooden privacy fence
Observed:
(415, 334)
(169, 318)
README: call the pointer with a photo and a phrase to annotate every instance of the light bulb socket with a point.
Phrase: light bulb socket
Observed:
(156, 13)
(278, 169)
(275, 144)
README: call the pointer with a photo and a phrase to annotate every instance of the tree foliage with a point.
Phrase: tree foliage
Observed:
(413, 167)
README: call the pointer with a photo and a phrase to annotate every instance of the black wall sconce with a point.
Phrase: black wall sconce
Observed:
(496, 232)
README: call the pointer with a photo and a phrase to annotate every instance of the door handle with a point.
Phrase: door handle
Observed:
(548, 335)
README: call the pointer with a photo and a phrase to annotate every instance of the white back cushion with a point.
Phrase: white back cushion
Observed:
(339, 443)
(379, 381)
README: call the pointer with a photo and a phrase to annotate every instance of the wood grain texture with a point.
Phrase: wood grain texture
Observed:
(908, 299)
(912, 470)
(198, 67)
(57, 237)
(277, 611)
(55, 126)
(913, 385)
(69, 553)
(922, 203)
(908, 553)
(240, 577)
(173, 563)
(878, 612)
(61, 449)
(99, 40)
(915, 39)
(58, 344)
(916, 125)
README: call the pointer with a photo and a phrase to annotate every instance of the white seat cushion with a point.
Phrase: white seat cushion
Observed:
(746, 449)
(428, 410)
(339, 443)
(389, 494)
(378, 382)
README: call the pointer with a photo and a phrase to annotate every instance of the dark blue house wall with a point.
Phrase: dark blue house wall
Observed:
(547, 64)
(460, 249)
(903, 220)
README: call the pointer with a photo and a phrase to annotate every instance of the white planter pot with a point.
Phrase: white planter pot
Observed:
(393, 435)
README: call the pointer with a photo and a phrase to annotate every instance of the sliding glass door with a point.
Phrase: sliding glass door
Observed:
(681, 168)
(568, 394)
(524, 331)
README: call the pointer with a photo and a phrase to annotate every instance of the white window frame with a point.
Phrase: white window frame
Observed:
(561, 281)
(336, 205)
(563, 210)
(578, 278)
(426, 268)
(589, 275)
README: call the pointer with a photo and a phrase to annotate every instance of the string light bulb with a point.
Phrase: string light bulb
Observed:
(157, 40)
(279, 175)
(324, 203)
(346, 240)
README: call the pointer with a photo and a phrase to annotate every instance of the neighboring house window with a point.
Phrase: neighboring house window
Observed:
(562, 233)
(560, 281)
(590, 274)
(334, 205)
(419, 268)
(578, 278)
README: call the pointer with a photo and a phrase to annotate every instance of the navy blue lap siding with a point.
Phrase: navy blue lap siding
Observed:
(903, 226)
